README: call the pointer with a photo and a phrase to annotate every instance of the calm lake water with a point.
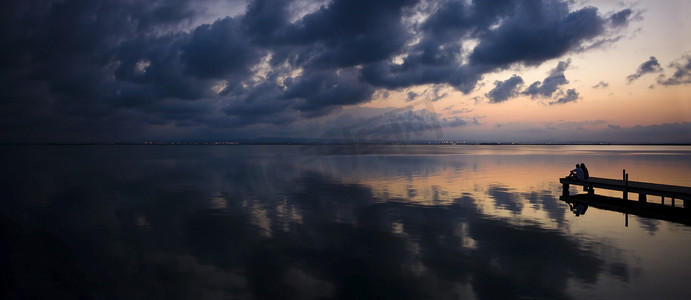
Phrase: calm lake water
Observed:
(308, 222)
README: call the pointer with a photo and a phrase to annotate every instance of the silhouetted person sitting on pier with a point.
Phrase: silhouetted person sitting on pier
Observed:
(585, 171)
(577, 173)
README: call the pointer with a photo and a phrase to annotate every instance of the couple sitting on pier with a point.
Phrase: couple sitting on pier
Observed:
(579, 173)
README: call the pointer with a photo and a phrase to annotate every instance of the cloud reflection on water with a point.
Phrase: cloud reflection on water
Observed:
(176, 223)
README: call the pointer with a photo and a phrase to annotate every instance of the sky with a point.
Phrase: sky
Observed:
(354, 70)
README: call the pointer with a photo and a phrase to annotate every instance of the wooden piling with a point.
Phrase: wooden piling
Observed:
(626, 185)
(565, 189)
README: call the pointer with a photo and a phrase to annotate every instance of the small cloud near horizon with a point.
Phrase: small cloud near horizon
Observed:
(649, 66)
(681, 75)
(601, 84)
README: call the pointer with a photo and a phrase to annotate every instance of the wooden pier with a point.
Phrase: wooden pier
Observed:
(643, 189)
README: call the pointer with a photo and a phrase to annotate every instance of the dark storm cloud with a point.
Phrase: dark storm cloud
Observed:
(341, 34)
(551, 84)
(650, 66)
(183, 113)
(150, 70)
(682, 72)
(463, 78)
(320, 90)
(218, 50)
(76, 61)
(90, 68)
(538, 31)
(504, 90)
(353, 32)
(621, 18)
(265, 21)
(261, 104)
(529, 32)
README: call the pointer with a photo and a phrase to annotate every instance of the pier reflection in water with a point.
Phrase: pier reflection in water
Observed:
(479, 222)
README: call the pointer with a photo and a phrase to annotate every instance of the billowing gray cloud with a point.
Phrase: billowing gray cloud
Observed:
(536, 32)
(571, 95)
(551, 83)
(526, 35)
(85, 70)
(682, 72)
(621, 18)
(504, 90)
(649, 66)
